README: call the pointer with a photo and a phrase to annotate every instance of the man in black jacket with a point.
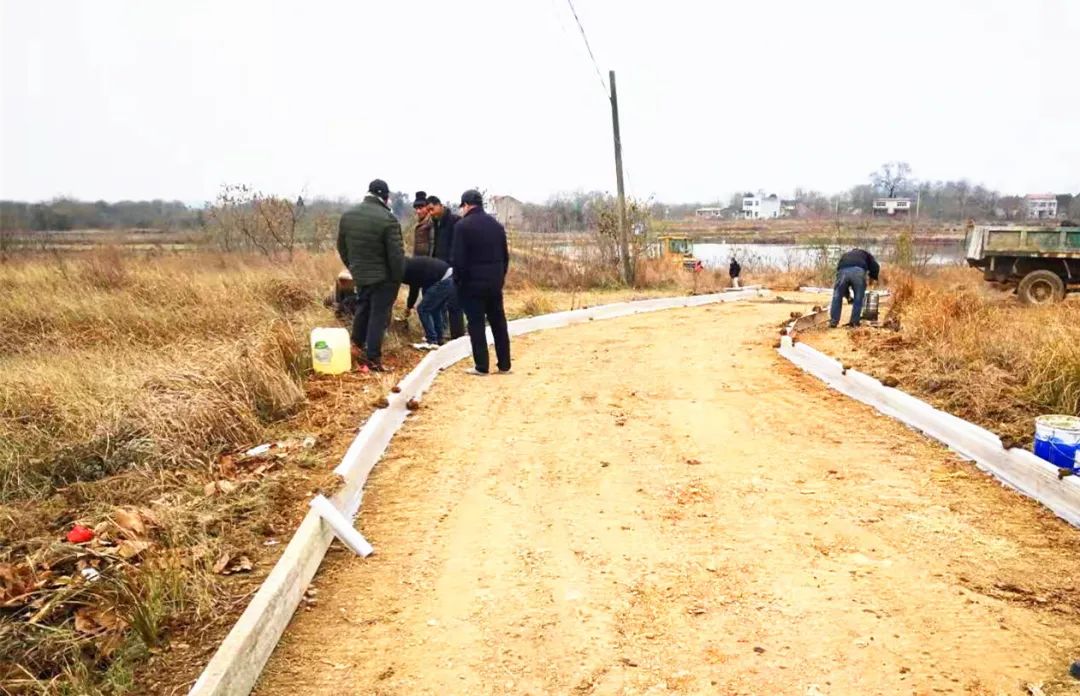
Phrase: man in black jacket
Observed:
(370, 246)
(435, 277)
(442, 235)
(734, 270)
(851, 274)
(480, 258)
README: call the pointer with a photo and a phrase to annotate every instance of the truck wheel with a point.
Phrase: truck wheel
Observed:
(1041, 287)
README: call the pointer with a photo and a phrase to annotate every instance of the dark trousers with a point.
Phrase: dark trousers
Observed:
(479, 305)
(454, 317)
(373, 305)
(854, 278)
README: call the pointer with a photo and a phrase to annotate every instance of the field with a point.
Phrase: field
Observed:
(132, 383)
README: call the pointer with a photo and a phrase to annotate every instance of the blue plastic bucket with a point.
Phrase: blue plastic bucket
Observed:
(1057, 440)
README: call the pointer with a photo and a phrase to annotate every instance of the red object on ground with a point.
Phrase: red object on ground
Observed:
(80, 534)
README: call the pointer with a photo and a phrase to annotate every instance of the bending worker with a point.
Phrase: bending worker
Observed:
(851, 274)
(435, 277)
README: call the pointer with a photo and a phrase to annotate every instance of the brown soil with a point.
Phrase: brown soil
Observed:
(660, 504)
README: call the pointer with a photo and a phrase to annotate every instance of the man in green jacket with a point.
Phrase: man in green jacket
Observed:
(370, 246)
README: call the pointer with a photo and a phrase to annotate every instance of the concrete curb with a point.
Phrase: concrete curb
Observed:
(239, 660)
(1016, 468)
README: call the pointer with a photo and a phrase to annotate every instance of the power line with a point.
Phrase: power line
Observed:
(599, 75)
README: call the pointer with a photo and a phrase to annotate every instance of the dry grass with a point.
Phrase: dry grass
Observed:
(979, 353)
(123, 377)
(112, 361)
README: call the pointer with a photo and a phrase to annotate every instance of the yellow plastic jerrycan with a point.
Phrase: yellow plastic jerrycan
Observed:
(330, 351)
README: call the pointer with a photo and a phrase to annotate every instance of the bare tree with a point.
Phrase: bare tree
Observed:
(243, 217)
(891, 178)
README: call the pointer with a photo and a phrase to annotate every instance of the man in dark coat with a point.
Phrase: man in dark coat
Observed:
(734, 270)
(480, 257)
(851, 274)
(370, 246)
(442, 234)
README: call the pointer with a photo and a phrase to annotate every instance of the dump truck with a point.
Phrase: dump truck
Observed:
(1040, 263)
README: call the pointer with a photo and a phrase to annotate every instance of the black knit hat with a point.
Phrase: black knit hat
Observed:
(434, 200)
(379, 188)
(420, 200)
(472, 197)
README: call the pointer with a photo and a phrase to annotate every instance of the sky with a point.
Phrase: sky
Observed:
(135, 100)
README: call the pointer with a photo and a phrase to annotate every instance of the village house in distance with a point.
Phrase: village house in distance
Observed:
(757, 206)
(1039, 206)
(899, 206)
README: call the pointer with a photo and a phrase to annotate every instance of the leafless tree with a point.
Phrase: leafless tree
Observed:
(891, 178)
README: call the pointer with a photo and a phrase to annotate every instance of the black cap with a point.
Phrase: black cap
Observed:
(472, 197)
(379, 188)
(434, 200)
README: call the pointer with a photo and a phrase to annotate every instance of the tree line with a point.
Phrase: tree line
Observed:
(938, 200)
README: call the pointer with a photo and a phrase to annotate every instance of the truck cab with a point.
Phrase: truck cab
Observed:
(1041, 263)
(679, 250)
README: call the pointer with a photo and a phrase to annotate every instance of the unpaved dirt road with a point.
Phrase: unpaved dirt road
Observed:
(660, 504)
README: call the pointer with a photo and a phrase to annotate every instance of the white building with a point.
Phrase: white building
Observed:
(892, 206)
(1041, 205)
(756, 206)
(507, 210)
(709, 213)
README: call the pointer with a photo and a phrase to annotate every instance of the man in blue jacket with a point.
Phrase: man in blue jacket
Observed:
(480, 257)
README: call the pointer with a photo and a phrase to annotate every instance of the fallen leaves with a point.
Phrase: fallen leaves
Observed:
(223, 486)
(92, 620)
(132, 522)
(229, 563)
(132, 548)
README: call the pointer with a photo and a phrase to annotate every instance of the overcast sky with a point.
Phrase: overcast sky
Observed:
(135, 99)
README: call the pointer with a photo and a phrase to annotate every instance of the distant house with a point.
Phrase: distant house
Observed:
(1039, 206)
(707, 213)
(892, 206)
(507, 210)
(757, 206)
(789, 208)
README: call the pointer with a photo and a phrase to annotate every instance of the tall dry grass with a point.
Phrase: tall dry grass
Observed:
(981, 354)
(114, 360)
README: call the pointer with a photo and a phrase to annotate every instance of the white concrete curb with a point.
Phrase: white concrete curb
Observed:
(239, 660)
(1016, 468)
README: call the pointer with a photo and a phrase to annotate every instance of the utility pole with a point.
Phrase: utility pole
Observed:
(624, 244)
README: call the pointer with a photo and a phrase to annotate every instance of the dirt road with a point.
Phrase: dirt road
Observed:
(659, 504)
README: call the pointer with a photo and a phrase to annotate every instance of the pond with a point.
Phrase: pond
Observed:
(795, 256)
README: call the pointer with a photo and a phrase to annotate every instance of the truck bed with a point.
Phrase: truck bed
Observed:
(1059, 242)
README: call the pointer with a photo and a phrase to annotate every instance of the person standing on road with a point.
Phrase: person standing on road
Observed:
(442, 235)
(422, 233)
(370, 246)
(435, 278)
(481, 258)
(734, 270)
(851, 275)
